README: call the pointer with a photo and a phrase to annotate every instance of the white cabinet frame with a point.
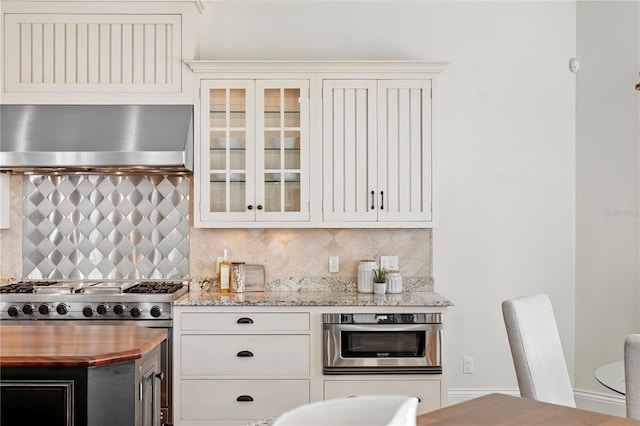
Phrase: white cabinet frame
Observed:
(408, 208)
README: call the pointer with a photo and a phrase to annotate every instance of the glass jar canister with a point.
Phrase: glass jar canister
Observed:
(237, 277)
(394, 282)
(365, 276)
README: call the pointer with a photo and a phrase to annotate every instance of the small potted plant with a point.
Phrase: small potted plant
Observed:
(380, 281)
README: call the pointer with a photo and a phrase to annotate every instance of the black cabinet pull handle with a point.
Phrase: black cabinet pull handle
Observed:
(249, 207)
(245, 320)
(244, 398)
(373, 193)
(259, 206)
(160, 375)
(382, 200)
(244, 354)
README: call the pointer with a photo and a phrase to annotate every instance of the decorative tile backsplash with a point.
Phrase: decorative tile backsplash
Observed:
(298, 253)
(94, 226)
(289, 255)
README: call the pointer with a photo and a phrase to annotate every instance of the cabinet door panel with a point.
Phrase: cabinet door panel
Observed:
(404, 150)
(245, 355)
(245, 322)
(227, 151)
(428, 391)
(349, 150)
(282, 150)
(229, 399)
(99, 53)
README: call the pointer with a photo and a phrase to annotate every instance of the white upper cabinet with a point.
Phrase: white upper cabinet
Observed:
(96, 52)
(377, 151)
(254, 151)
(327, 144)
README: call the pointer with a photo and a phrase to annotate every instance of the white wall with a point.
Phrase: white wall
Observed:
(608, 185)
(507, 141)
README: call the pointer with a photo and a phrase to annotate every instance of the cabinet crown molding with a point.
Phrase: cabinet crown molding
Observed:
(206, 65)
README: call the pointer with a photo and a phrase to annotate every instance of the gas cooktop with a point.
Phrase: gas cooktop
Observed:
(88, 287)
(100, 299)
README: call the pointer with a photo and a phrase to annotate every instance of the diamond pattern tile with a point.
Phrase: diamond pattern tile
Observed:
(94, 226)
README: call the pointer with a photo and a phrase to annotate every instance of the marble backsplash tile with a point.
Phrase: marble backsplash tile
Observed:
(297, 253)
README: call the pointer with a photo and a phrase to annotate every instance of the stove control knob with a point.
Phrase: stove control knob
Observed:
(135, 312)
(156, 311)
(62, 308)
(102, 309)
(118, 309)
(13, 311)
(87, 311)
(43, 309)
(28, 308)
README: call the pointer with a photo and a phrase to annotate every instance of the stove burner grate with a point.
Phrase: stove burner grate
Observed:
(24, 286)
(154, 288)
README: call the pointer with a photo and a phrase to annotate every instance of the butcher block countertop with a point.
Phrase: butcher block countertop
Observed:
(40, 345)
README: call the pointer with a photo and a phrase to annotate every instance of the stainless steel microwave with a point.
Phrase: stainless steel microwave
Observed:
(404, 343)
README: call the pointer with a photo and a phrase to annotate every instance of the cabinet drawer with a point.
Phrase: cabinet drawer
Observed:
(245, 355)
(219, 399)
(427, 390)
(245, 322)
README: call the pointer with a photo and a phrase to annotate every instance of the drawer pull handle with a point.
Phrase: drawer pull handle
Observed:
(245, 320)
(245, 354)
(244, 398)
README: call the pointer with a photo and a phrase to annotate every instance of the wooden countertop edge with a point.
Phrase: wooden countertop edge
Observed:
(35, 357)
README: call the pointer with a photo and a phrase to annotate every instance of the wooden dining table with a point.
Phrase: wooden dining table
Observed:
(498, 409)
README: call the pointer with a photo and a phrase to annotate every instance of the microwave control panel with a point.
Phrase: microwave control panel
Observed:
(405, 318)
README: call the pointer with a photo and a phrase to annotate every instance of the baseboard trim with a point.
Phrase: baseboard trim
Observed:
(586, 400)
(455, 396)
(614, 405)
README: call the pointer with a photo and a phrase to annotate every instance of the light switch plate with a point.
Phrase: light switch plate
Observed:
(334, 264)
(390, 263)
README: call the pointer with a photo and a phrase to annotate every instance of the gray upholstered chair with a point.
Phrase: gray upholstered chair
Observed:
(632, 375)
(537, 353)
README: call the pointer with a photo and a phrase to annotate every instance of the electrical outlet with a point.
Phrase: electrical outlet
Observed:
(390, 263)
(334, 264)
(467, 365)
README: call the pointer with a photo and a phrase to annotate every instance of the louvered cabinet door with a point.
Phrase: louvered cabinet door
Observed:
(404, 151)
(349, 151)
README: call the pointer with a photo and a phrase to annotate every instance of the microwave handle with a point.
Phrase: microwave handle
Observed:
(383, 327)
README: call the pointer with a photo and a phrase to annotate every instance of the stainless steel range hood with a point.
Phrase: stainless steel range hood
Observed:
(96, 137)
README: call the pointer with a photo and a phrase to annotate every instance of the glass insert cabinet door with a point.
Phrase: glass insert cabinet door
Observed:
(255, 150)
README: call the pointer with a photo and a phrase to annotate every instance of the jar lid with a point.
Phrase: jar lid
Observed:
(238, 263)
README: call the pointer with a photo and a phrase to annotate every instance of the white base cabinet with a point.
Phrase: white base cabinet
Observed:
(235, 365)
(427, 390)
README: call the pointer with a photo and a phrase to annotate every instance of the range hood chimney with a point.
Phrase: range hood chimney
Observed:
(101, 138)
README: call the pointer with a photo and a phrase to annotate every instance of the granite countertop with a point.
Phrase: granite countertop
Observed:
(311, 298)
